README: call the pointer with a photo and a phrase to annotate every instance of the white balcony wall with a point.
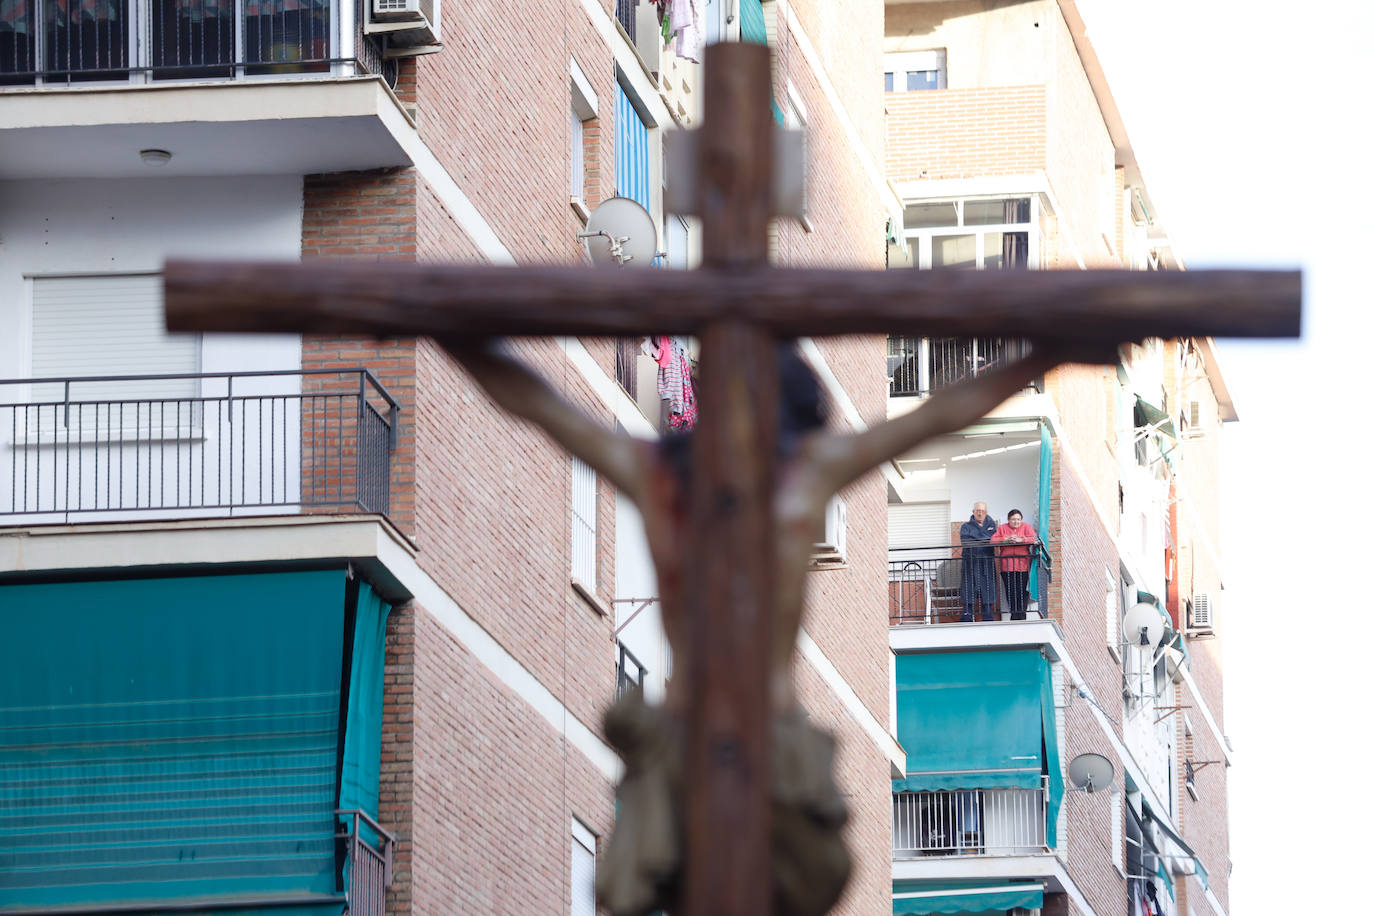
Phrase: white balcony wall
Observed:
(635, 578)
(106, 227)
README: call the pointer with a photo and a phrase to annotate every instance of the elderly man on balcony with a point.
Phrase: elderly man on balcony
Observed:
(978, 577)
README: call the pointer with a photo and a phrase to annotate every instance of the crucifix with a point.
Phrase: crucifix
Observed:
(728, 804)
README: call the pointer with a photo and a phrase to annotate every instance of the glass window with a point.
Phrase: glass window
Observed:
(929, 216)
(922, 79)
(1003, 250)
(996, 212)
(954, 251)
(888, 82)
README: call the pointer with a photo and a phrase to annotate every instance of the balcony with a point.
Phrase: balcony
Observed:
(226, 86)
(969, 822)
(928, 585)
(629, 672)
(369, 867)
(917, 366)
(121, 448)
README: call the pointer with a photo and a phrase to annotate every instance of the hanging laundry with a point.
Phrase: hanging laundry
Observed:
(684, 22)
(675, 382)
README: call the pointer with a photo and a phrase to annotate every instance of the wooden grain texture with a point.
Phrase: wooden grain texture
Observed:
(394, 299)
(728, 797)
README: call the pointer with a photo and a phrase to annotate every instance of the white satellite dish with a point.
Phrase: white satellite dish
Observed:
(620, 231)
(1143, 626)
(1091, 772)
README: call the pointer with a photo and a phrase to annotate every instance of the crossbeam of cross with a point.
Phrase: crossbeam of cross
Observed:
(739, 604)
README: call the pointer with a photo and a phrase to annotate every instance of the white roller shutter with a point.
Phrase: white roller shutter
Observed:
(583, 877)
(110, 325)
(918, 525)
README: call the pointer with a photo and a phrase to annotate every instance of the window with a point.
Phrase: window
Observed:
(583, 876)
(1118, 831)
(1113, 615)
(582, 138)
(631, 151)
(108, 326)
(795, 119)
(975, 234)
(914, 71)
(583, 524)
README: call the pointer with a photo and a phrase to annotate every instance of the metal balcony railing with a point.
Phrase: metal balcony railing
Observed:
(961, 822)
(929, 585)
(629, 672)
(917, 366)
(369, 868)
(60, 42)
(625, 15)
(194, 445)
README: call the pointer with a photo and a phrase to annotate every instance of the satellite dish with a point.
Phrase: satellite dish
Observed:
(1143, 626)
(1091, 772)
(620, 231)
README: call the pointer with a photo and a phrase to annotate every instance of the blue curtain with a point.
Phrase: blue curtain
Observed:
(362, 750)
(1042, 517)
(970, 719)
(751, 27)
(170, 740)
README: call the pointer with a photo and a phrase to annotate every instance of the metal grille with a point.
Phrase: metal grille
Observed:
(83, 448)
(68, 41)
(583, 523)
(969, 822)
(625, 15)
(927, 585)
(627, 365)
(369, 869)
(629, 672)
(917, 366)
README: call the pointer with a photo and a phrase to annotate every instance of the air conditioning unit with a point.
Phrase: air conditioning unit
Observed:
(1200, 612)
(408, 27)
(1190, 420)
(830, 549)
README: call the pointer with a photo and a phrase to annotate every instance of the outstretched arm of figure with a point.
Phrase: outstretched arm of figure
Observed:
(514, 387)
(844, 458)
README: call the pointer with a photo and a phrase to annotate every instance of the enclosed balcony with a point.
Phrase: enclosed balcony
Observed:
(933, 585)
(119, 448)
(964, 822)
(224, 86)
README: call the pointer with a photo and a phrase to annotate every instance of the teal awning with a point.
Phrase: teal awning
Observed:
(1042, 519)
(921, 899)
(970, 719)
(1148, 415)
(170, 740)
(751, 26)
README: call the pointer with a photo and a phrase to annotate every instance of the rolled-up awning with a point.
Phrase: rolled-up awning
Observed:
(1148, 415)
(970, 720)
(974, 897)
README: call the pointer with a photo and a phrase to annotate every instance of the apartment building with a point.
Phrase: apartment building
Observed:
(305, 622)
(1008, 153)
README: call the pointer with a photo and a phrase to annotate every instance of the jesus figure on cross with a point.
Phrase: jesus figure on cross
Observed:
(728, 805)
(810, 863)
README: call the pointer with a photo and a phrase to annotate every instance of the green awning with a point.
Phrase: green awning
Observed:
(1042, 518)
(1148, 415)
(970, 720)
(170, 740)
(1163, 874)
(968, 897)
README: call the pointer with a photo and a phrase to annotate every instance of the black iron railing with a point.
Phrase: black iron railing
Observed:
(195, 445)
(629, 672)
(917, 366)
(369, 862)
(625, 15)
(950, 584)
(78, 41)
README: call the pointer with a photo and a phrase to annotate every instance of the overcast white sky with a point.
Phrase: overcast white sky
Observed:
(1251, 119)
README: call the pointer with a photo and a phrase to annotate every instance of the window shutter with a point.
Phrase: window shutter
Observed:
(631, 151)
(583, 871)
(108, 325)
(918, 525)
(583, 524)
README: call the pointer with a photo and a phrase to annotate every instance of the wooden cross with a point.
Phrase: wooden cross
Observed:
(737, 605)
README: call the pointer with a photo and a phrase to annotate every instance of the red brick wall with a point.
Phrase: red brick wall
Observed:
(966, 133)
(396, 796)
(362, 215)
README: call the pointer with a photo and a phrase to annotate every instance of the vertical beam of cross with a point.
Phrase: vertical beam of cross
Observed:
(730, 549)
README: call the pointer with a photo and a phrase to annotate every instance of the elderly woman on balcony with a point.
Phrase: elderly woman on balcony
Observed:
(1014, 558)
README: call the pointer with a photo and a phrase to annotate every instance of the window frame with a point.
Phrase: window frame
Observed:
(921, 240)
(582, 512)
(900, 65)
